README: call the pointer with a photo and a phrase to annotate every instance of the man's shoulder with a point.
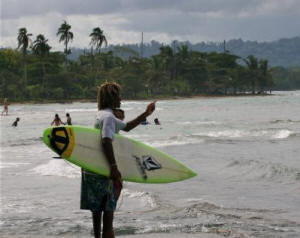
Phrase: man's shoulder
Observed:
(105, 114)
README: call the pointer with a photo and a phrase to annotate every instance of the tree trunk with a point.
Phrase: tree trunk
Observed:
(253, 87)
(44, 76)
(25, 72)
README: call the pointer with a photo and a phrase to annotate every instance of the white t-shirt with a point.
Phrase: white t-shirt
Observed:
(109, 124)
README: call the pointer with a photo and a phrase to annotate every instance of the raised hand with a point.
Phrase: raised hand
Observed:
(150, 108)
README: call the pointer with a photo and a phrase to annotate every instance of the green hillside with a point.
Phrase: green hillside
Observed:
(283, 52)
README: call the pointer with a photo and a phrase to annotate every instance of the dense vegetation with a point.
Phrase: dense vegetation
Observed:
(283, 52)
(33, 72)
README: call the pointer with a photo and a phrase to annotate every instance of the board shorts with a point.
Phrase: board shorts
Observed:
(98, 193)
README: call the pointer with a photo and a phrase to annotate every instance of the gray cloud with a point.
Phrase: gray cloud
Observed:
(162, 20)
(18, 8)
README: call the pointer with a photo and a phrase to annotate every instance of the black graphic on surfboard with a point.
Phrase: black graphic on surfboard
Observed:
(146, 162)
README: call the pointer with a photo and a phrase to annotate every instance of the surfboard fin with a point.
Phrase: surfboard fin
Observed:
(57, 157)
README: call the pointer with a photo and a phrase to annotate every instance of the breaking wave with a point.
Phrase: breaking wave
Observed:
(254, 169)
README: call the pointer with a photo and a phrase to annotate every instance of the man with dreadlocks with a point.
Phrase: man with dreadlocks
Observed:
(99, 193)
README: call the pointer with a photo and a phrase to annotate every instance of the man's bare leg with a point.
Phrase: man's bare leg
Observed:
(97, 224)
(108, 231)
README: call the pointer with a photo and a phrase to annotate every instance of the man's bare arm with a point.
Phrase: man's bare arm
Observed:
(132, 124)
(109, 155)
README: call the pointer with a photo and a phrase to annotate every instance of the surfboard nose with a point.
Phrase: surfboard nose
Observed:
(60, 140)
(46, 137)
(193, 173)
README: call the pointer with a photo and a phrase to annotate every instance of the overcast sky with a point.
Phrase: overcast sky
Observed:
(162, 20)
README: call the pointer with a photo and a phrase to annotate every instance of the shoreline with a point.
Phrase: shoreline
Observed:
(148, 235)
(160, 98)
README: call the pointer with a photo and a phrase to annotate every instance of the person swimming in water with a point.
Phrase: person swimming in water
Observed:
(145, 122)
(15, 123)
(57, 121)
(156, 121)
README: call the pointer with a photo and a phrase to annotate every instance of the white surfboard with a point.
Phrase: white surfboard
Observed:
(136, 161)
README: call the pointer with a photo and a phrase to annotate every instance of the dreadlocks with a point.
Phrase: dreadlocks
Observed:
(108, 95)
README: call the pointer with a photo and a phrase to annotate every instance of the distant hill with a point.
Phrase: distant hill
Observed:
(283, 52)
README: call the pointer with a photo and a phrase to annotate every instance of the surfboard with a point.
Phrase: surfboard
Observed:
(136, 161)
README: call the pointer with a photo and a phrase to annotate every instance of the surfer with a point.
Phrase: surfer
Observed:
(15, 123)
(99, 193)
(69, 119)
(57, 121)
(5, 107)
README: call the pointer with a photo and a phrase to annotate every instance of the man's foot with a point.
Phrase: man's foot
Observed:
(108, 234)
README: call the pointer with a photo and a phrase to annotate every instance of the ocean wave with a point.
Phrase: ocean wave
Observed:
(254, 169)
(57, 167)
(283, 121)
(145, 198)
(81, 110)
(221, 136)
(22, 142)
(236, 133)
(198, 123)
(138, 136)
(10, 164)
(224, 133)
(282, 134)
(174, 141)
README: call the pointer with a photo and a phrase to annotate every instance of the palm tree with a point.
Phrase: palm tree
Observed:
(252, 65)
(23, 43)
(65, 35)
(41, 48)
(181, 59)
(265, 76)
(98, 38)
(168, 60)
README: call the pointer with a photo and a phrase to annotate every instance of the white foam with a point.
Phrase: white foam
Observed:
(274, 134)
(10, 165)
(225, 133)
(138, 136)
(136, 201)
(173, 141)
(82, 110)
(282, 134)
(198, 123)
(58, 167)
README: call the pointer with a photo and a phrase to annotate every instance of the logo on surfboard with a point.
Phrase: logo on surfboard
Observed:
(146, 163)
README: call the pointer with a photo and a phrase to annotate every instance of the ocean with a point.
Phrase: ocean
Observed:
(246, 151)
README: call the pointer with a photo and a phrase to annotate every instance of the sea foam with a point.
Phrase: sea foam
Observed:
(57, 167)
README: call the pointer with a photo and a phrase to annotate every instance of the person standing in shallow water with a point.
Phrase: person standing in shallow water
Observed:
(5, 107)
(99, 193)
(57, 121)
(69, 119)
